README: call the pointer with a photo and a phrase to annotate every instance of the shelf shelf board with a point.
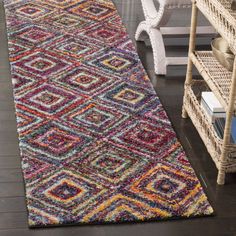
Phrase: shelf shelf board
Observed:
(216, 76)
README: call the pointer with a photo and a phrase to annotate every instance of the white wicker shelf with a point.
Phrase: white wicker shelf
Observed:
(215, 78)
(222, 18)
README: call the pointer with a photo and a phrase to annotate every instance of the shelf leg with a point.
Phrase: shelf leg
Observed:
(227, 130)
(221, 178)
(192, 43)
(184, 113)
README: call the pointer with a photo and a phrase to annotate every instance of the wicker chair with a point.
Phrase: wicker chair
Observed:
(153, 26)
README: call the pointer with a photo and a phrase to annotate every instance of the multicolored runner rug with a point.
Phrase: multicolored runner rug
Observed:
(96, 143)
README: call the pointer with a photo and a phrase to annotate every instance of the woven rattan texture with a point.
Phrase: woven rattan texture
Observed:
(219, 13)
(218, 78)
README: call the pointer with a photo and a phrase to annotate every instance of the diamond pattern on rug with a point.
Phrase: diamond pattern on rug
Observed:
(47, 99)
(96, 143)
(97, 118)
(42, 63)
(105, 34)
(32, 35)
(61, 4)
(93, 10)
(128, 97)
(73, 48)
(55, 141)
(82, 80)
(110, 165)
(168, 189)
(115, 61)
(30, 11)
(68, 191)
(153, 138)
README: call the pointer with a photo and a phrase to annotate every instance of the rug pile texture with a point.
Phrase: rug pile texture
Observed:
(95, 141)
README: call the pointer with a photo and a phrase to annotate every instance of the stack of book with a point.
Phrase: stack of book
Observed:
(212, 107)
(216, 115)
(219, 126)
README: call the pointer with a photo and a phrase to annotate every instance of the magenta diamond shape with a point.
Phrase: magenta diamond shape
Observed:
(49, 61)
(48, 99)
(65, 191)
(34, 34)
(55, 141)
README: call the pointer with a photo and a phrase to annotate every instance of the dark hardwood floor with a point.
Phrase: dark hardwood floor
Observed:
(13, 215)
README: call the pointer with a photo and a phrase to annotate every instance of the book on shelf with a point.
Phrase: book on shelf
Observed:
(219, 127)
(212, 107)
(212, 102)
(211, 115)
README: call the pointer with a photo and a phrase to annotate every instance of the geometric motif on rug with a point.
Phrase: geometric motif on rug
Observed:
(82, 80)
(55, 141)
(95, 141)
(97, 118)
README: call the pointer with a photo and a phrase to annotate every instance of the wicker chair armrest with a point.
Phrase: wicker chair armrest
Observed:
(177, 3)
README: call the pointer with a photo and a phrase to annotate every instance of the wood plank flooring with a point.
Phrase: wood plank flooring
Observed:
(13, 214)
